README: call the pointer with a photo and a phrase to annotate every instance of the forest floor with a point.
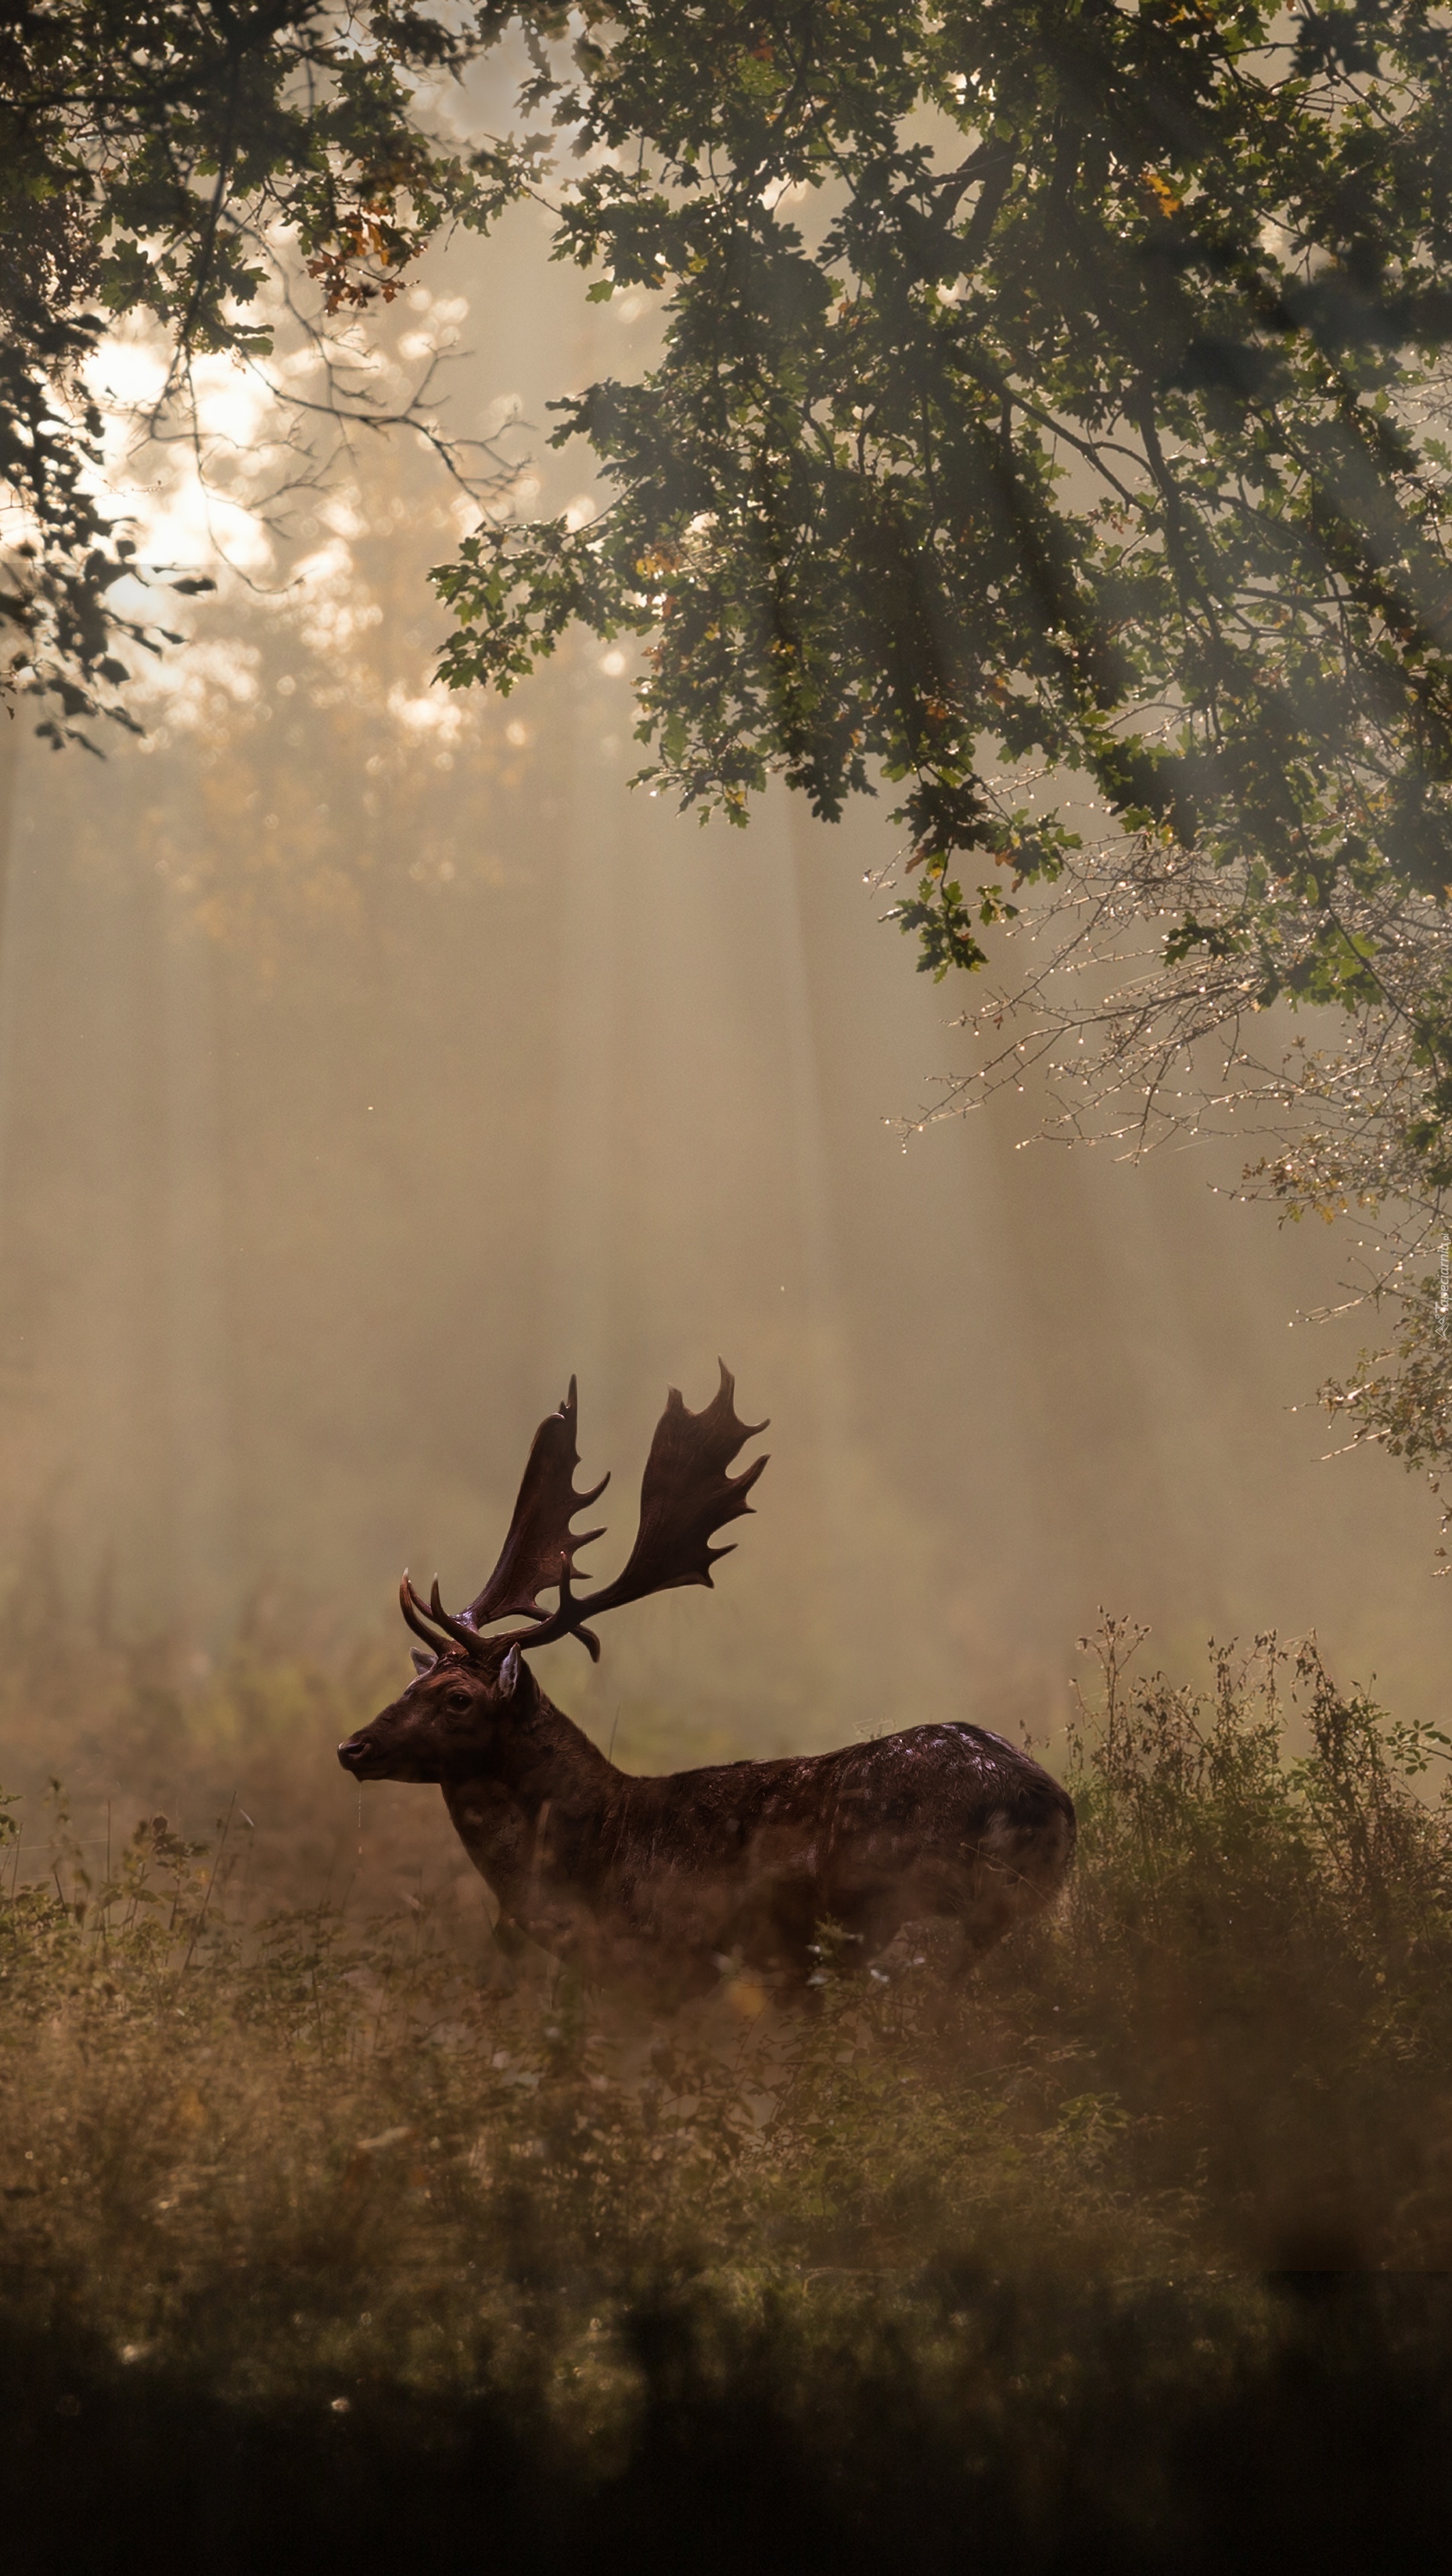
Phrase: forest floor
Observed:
(328, 2232)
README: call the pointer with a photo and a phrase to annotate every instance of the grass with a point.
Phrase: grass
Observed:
(326, 2210)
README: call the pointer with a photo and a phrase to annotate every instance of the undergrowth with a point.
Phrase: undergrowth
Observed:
(286, 2165)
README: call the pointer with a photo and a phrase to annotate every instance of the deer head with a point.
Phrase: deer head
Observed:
(468, 1684)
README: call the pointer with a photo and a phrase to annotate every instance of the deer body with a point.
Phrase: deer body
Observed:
(657, 1881)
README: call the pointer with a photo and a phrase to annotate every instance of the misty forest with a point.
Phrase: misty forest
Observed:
(725, 882)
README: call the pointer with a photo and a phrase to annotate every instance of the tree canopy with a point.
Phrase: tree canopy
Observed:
(165, 158)
(1048, 422)
(1081, 429)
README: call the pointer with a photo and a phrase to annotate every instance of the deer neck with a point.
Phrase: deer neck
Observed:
(541, 1783)
(545, 1755)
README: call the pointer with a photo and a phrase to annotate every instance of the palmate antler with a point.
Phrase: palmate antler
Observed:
(539, 1553)
(685, 1497)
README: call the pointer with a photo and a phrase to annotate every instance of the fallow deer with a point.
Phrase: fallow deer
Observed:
(660, 1881)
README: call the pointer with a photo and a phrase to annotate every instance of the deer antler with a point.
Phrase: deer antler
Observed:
(420, 1613)
(685, 1497)
(413, 1611)
(539, 1553)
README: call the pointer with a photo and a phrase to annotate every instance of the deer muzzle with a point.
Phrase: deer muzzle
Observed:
(390, 1752)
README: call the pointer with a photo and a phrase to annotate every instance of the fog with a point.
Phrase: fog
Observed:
(370, 1062)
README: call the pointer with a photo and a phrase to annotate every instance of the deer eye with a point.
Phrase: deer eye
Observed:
(460, 1702)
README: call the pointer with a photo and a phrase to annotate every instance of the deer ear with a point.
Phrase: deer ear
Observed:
(422, 1663)
(509, 1672)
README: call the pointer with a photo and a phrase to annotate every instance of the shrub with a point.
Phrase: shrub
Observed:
(323, 2188)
